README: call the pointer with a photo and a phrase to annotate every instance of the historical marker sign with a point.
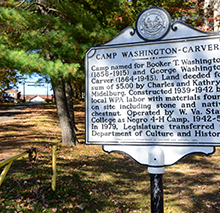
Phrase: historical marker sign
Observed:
(154, 85)
(153, 92)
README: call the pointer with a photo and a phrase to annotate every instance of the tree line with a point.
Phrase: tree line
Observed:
(50, 38)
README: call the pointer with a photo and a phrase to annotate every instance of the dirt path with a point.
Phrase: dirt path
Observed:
(9, 113)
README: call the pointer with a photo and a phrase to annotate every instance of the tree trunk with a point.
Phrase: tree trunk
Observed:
(76, 91)
(68, 135)
(216, 14)
(206, 14)
(69, 98)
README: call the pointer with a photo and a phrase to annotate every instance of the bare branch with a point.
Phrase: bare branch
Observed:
(42, 5)
(19, 4)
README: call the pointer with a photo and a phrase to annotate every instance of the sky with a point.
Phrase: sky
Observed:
(32, 89)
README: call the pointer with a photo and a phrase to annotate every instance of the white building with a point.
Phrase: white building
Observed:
(37, 99)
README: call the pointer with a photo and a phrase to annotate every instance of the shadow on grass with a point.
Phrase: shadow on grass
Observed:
(89, 180)
(77, 190)
(125, 177)
(98, 182)
(23, 132)
(11, 113)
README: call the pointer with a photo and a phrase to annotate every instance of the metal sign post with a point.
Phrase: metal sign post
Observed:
(156, 157)
(153, 92)
(156, 182)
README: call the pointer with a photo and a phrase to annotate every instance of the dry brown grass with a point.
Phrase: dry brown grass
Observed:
(89, 180)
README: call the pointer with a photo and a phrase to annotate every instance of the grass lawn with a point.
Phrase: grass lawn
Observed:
(90, 180)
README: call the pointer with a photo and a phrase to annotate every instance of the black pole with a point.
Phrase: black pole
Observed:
(156, 182)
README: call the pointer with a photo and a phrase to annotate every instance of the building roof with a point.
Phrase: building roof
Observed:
(29, 97)
(37, 99)
(10, 91)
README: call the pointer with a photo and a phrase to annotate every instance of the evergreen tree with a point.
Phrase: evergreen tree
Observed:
(51, 38)
(8, 79)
